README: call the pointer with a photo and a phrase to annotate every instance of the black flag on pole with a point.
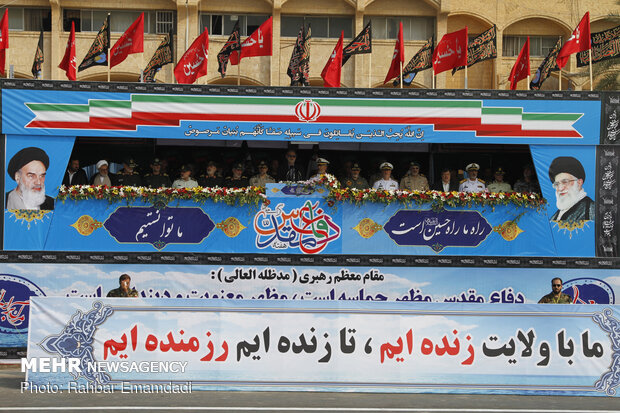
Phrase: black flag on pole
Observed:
(360, 45)
(233, 43)
(162, 56)
(605, 46)
(482, 47)
(38, 58)
(546, 67)
(98, 53)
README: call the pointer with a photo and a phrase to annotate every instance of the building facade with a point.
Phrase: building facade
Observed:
(544, 22)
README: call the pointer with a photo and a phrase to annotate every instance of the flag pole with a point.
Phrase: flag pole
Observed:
(528, 82)
(590, 54)
(465, 75)
(369, 70)
(239, 71)
(560, 80)
(433, 77)
(401, 75)
(8, 63)
(109, 70)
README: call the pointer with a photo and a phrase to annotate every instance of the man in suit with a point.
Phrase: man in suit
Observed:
(74, 175)
(446, 184)
(568, 175)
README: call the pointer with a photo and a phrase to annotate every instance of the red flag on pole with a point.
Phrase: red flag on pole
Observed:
(580, 41)
(132, 41)
(68, 64)
(451, 51)
(521, 69)
(4, 39)
(332, 70)
(398, 58)
(258, 44)
(193, 64)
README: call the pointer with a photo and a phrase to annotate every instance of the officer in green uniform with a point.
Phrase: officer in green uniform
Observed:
(128, 176)
(156, 179)
(355, 181)
(124, 289)
(262, 178)
(556, 296)
(499, 185)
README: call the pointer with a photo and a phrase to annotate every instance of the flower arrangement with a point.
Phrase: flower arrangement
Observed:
(256, 195)
(231, 196)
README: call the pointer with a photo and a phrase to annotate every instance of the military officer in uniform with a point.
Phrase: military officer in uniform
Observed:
(185, 181)
(321, 164)
(355, 181)
(499, 185)
(472, 183)
(156, 179)
(211, 179)
(124, 289)
(236, 179)
(386, 182)
(414, 180)
(128, 176)
(261, 179)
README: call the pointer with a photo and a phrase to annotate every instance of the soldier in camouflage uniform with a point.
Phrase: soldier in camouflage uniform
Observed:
(414, 180)
(123, 290)
(556, 296)
(355, 181)
(262, 177)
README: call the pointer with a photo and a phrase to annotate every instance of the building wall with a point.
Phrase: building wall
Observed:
(514, 18)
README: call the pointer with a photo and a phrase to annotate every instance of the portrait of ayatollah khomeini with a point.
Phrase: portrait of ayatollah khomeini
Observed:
(567, 176)
(28, 168)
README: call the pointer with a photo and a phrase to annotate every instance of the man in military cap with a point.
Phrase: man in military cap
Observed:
(185, 181)
(355, 181)
(236, 179)
(414, 180)
(567, 176)
(498, 185)
(472, 183)
(124, 289)
(386, 182)
(322, 164)
(128, 176)
(261, 178)
(156, 179)
(210, 179)
(28, 168)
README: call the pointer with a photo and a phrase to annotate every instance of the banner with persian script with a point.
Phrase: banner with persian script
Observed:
(387, 347)
(488, 282)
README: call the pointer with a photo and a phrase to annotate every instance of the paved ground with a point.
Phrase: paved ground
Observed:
(13, 400)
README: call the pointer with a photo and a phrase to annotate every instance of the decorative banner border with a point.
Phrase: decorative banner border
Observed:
(412, 348)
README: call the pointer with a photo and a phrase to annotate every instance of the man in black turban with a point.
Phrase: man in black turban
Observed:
(28, 168)
(567, 176)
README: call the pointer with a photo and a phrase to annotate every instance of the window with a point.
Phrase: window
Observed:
(222, 24)
(540, 46)
(414, 28)
(30, 20)
(321, 26)
(155, 22)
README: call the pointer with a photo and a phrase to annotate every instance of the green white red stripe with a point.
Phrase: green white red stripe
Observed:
(170, 110)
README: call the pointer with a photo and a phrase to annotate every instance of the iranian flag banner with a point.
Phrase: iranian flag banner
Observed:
(170, 110)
